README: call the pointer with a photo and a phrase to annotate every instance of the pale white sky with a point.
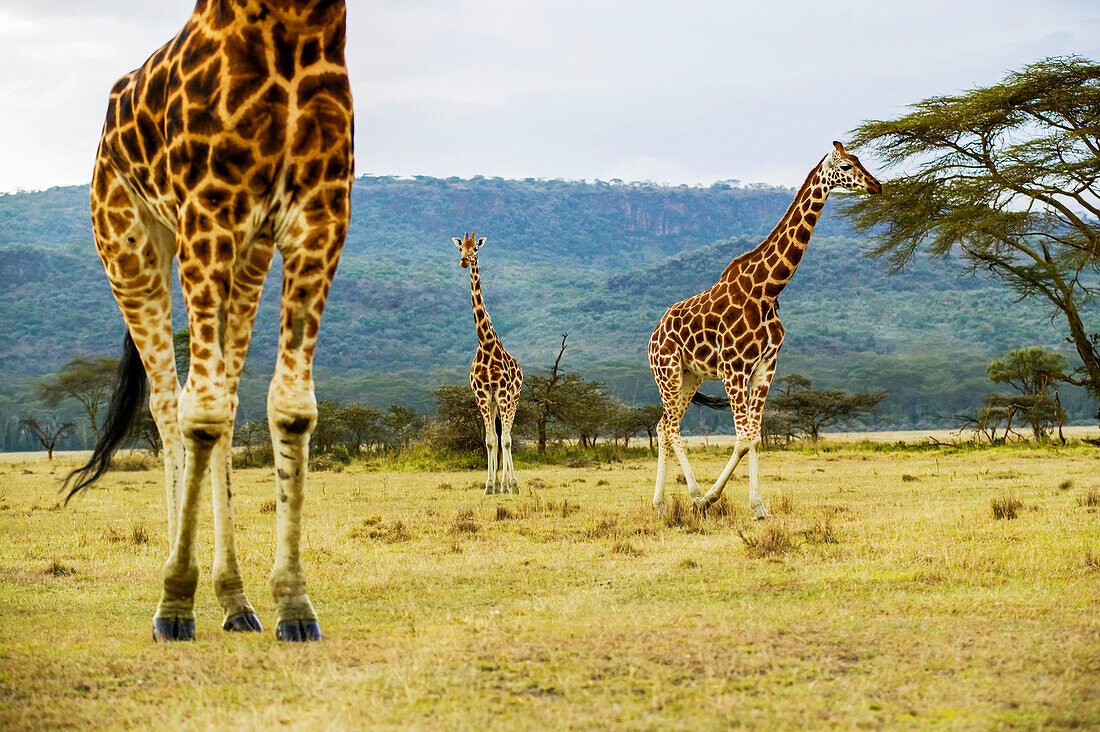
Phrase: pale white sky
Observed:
(685, 91)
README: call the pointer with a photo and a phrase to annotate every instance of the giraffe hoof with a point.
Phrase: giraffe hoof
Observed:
(243, 622)
(699, 505)
(166, 630)
(298, 631)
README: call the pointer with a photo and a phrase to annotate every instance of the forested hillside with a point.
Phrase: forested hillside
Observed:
(598, 261)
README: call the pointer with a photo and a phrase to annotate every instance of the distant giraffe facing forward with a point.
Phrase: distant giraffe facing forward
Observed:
(732, 332)
(495, 377)
(231, 141)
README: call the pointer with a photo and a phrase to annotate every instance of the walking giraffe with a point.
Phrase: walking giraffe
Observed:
(231, 141)
(495, 377)
(732, 333)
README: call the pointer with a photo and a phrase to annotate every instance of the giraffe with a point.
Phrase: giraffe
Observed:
(495, 377)
(231, 141)
(732, 333)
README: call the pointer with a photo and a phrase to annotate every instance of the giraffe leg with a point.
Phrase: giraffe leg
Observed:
(662, 464)
(676, 391)
(747, 396)
(489, 417)
(137, 252)
(507, 418)
(308, 266)
(251, 270)
(204, 407)
(758, 394)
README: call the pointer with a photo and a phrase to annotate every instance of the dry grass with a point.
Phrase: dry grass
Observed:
(1006, 507)
(867, 601)
(773, 540)
(465, 522)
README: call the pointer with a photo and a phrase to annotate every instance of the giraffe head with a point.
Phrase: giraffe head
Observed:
(842, 169)
(468, 245)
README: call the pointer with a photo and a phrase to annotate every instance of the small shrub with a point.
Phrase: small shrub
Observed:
(536, 484)
(57, 569)
(676, 512)
(138, 533)
(907, 478)
(688, 563)
(581, 462)
(604, 527)
(681, 479)
(772, 541)
(443, 487)
(257, 457)
(504, 513)
(465, 522)
(625, 547)
(268, 506)
(1065, 485)
(1090, 500)
(374, 528)
(601, 481)
(131, 463)
(1006, 507)
(785, 504)
(821, 532)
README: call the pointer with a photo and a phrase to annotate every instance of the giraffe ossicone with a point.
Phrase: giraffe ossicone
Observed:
(233, 140)
(496, 379)
(731, 333)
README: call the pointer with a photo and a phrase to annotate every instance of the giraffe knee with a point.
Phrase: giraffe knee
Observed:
(203, 419)
(291, 411)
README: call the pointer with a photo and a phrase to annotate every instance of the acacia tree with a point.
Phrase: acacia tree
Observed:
(542, 393)
(87, 379)
(1007, 177)
(47, 434)
(809, 410)
(1030, 371)
(362, 426)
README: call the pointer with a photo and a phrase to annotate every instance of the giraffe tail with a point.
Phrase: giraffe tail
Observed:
(709, 401)
(129, 393)
(498, 427)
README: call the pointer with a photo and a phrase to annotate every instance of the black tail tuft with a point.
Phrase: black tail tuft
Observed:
(710, 402)
(125, 402)
(498, 427)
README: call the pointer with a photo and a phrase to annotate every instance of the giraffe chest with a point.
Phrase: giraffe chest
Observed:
(495, 366)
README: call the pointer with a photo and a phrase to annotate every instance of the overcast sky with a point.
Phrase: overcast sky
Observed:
(687, 91)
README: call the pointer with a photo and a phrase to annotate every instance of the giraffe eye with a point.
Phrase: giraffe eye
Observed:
(845, 167)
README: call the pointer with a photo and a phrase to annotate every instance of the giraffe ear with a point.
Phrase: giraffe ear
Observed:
(838, 146)
(480, 242)
(457, 241)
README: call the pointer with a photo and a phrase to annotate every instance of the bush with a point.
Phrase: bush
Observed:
(1006, 507)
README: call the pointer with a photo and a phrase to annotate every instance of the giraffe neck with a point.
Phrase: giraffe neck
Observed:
(772, 264)
(485, 332)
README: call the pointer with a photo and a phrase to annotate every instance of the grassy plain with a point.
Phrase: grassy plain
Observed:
(883, 593)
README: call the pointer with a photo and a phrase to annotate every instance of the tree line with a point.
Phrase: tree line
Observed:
(558, 406)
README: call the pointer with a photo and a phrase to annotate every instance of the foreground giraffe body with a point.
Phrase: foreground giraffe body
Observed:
(732, 332)
(495, 377)
(232, 141)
